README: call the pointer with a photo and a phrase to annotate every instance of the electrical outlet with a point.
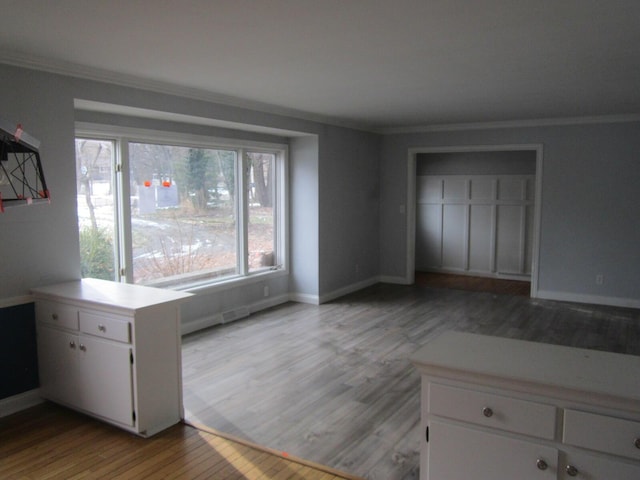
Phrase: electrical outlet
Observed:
(266, 290)
(599, 279)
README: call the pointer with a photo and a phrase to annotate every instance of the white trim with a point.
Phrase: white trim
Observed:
(540, 122)
(163, 137)
(33, 62)
(354, 287)
(217, 318)
(21, 401)
(147, 113)
(411, 201)
(590, 299)
(15, 301)
(200, 323)
(268, 303)
(304, 298)
(69, 69)
(124, 135)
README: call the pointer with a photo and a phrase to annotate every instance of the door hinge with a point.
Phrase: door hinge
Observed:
(427, 435)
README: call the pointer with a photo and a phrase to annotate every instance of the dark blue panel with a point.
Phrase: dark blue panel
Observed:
(18, 353)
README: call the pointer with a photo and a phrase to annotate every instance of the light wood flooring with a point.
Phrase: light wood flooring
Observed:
(50, 442)
(333, 383)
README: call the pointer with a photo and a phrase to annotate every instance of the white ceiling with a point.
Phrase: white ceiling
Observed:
(375, 63)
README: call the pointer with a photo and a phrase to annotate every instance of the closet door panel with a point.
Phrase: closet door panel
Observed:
(508, 246)
(429, 237)
(480, 238)
(428, 189)
(453, 236)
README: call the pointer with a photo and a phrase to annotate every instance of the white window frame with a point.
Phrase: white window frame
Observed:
(122, 136)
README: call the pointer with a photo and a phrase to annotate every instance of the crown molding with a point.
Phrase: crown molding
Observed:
(541, 122)
(60, 67)
(70, 69)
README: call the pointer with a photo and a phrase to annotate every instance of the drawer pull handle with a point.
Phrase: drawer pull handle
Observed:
(572, 471)
(487, 412)
(541, 464)
(637, 442)
(54, 316)
(102, 328)
(83, 348)
(72, 344)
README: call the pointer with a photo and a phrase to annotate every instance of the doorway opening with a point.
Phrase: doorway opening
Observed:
(475, 212)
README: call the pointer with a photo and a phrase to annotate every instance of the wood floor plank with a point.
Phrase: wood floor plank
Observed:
(328, 382)
(76, 447)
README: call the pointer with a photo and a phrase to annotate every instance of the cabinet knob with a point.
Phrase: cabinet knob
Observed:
(72, 344)
(102, 328)
(637, 442)
(82, 347)
(487, 412)
(541, 464)
(571, 470)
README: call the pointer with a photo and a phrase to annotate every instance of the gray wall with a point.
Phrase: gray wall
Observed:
(349, 211)
(40, 243)
(589, 217)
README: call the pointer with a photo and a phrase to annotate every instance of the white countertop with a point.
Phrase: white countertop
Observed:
(112, 294)
(582, 370)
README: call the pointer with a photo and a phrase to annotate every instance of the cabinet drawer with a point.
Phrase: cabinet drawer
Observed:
(113, 328)
(602, 433)
(59, 314)
(510, 414)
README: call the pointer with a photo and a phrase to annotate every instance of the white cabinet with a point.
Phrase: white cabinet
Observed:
(581, 465)
(495, 408)
(112, 350)
(458, 453)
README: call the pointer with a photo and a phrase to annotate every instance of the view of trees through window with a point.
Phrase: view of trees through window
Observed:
(185, 207)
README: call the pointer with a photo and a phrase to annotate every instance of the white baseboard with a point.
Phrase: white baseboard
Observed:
(22, 401)
(200, 323)
(304, 298)
(591, 299)
(268, 302)
(224, 317)
(354, 287)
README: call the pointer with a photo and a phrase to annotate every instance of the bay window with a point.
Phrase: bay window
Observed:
(177, 211)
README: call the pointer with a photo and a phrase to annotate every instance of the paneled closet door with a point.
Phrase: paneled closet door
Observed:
(478, 224)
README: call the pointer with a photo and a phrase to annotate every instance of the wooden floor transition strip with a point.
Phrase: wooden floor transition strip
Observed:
(273, 452)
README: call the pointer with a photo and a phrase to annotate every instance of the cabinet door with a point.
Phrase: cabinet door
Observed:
(106, 379)
(57, 365)
(590, 467)
(460, 453)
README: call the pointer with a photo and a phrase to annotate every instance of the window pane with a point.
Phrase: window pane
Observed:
(96, 220)
(183, 218)
(261, 223)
